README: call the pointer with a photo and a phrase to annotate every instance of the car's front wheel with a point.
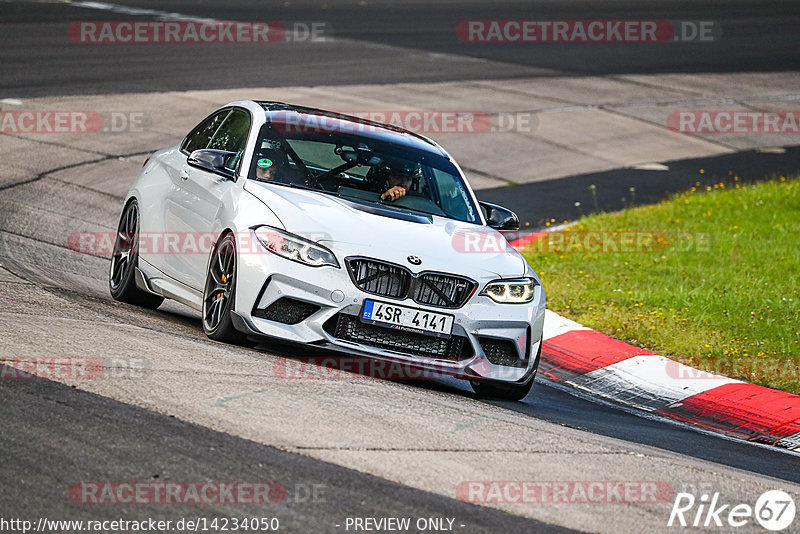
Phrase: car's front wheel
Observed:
(220, 291)
(122, 275)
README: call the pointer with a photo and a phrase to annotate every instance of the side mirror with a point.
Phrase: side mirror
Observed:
(500, 218)
(212, 161)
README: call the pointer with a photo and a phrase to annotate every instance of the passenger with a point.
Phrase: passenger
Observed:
(271, 165)
(265, 169)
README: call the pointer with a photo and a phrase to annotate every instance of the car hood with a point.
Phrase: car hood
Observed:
(350, 229)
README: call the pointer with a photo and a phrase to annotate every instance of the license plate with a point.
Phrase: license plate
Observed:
(407, 319)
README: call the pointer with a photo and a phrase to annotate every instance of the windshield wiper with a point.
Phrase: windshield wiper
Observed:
(395, 206)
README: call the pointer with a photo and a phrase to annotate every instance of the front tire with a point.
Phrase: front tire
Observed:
(220, 293)
(125, 258)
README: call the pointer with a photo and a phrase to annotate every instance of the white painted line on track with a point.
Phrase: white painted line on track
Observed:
(160, 15)
(651, 167)
(135, 11)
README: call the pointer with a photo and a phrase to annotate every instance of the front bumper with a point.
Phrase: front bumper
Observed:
(497, 341)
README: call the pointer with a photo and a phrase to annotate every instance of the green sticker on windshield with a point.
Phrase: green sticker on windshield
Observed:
(264, 163)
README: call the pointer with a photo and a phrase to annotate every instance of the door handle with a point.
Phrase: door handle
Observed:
(184, 174)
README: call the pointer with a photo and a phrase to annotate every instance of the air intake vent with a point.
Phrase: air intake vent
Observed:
(394, 281)
(379, 278)
(349, 328)
(287, 310)
(443, 290)
(501, 352)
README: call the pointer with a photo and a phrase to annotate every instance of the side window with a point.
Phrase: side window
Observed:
(201, 135)
(232, 136)
(454, 198)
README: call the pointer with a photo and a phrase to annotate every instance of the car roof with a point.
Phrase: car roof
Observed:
(348, 123)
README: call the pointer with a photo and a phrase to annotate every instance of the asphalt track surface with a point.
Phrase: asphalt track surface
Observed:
(54, 434)
(38, 60)
(51, 423)
(556, 199)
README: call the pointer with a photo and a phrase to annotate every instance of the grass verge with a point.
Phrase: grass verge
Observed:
(709, 277)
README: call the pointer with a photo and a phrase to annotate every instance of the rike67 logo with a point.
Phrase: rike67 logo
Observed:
(774, 510)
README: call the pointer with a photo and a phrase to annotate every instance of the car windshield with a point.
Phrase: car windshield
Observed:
(364, 169)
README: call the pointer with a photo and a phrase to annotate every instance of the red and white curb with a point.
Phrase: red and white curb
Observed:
(605, 367)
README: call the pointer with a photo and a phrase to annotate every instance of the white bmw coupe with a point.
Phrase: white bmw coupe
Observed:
(279, 221)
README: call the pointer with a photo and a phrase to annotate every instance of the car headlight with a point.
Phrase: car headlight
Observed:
(295, 248)
(517, 291)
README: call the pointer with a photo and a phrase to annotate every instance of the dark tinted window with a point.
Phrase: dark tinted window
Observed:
(364, 168)
(201, 135)
(232, 136)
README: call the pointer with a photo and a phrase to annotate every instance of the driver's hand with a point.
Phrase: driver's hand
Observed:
(394, 193)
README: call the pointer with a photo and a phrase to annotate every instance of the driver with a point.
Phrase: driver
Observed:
(393, 184)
